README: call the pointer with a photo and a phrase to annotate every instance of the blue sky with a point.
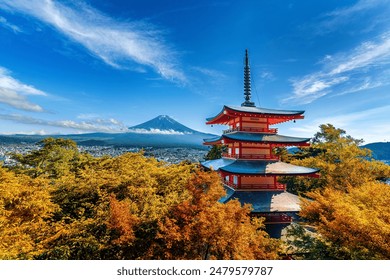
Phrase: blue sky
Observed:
(84, 66)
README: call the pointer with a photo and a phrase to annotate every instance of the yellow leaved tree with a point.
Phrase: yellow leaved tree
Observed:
(348, 207)
(25, 215)
(124, 207)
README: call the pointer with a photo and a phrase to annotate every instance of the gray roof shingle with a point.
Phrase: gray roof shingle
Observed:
(265, 202)
(257, 167)
(258, 137)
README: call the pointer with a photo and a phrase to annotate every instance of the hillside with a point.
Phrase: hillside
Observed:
(380, 150)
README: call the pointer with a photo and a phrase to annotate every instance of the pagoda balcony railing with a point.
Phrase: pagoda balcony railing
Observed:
(251, 129)
(250, 156)
(277, 186)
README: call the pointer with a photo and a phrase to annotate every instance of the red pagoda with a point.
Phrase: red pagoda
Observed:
(249, 168)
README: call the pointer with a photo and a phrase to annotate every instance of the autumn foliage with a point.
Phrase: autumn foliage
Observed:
(347, 209)
(353, 224)
(57, 203)
(197, 228)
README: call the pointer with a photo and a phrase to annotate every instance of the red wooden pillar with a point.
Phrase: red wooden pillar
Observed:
(270, 151)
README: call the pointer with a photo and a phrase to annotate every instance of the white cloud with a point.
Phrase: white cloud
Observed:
(267, 75)
(362, 8)
(115, 42)
(96, 119)
(347, 119)
(157, 131)
(366, 56)
(110, 125)
(7, 82)
(370, 125)
(214, 74)
(359, 6)
(87, 116)
(14, 93)
(364, 67)
(32, 132)
(8, 25)
(17, 101)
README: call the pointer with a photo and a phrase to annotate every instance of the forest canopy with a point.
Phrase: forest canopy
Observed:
(59, 203)
(348, 206)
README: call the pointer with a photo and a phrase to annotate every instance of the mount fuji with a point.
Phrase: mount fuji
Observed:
(162, 124)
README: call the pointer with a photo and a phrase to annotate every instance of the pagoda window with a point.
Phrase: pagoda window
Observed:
(227, 178)
(235, 179)
(230, 151)
(237, 151)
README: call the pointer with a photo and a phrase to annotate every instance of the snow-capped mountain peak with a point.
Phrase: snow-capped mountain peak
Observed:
(162, 124)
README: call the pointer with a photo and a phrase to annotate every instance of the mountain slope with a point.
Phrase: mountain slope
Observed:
(162, 124)
(380, 150)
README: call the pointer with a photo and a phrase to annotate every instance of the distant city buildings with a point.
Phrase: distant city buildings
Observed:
(170, 155)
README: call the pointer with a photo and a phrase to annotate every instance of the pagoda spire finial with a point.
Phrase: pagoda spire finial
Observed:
(247, 83)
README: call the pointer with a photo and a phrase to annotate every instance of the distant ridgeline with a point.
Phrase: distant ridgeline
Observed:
(380, 151)
(161, 131)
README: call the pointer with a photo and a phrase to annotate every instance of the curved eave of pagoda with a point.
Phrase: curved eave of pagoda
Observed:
(213, 141)
(266, 202)
(257, 138)
(273, 116)
(259, 167)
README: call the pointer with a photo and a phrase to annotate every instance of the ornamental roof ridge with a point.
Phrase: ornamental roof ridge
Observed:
(261, 110)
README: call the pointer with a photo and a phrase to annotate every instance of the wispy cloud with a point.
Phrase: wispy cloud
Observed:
(157, 131)
(267, 75)
(4, 22)
(117, 43)
(14, 93)
(204, 78)
(353, 124)
(211, 73)
(100, 125)
(30, 132)
(332, 21)
(364, 67)
(359, 6)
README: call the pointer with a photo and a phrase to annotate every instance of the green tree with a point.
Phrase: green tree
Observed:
(215, 152)
(56, 158)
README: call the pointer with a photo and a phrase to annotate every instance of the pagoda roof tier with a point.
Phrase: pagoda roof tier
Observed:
(265, 202)
(249, 137)
(274, 116)
(257, 167)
